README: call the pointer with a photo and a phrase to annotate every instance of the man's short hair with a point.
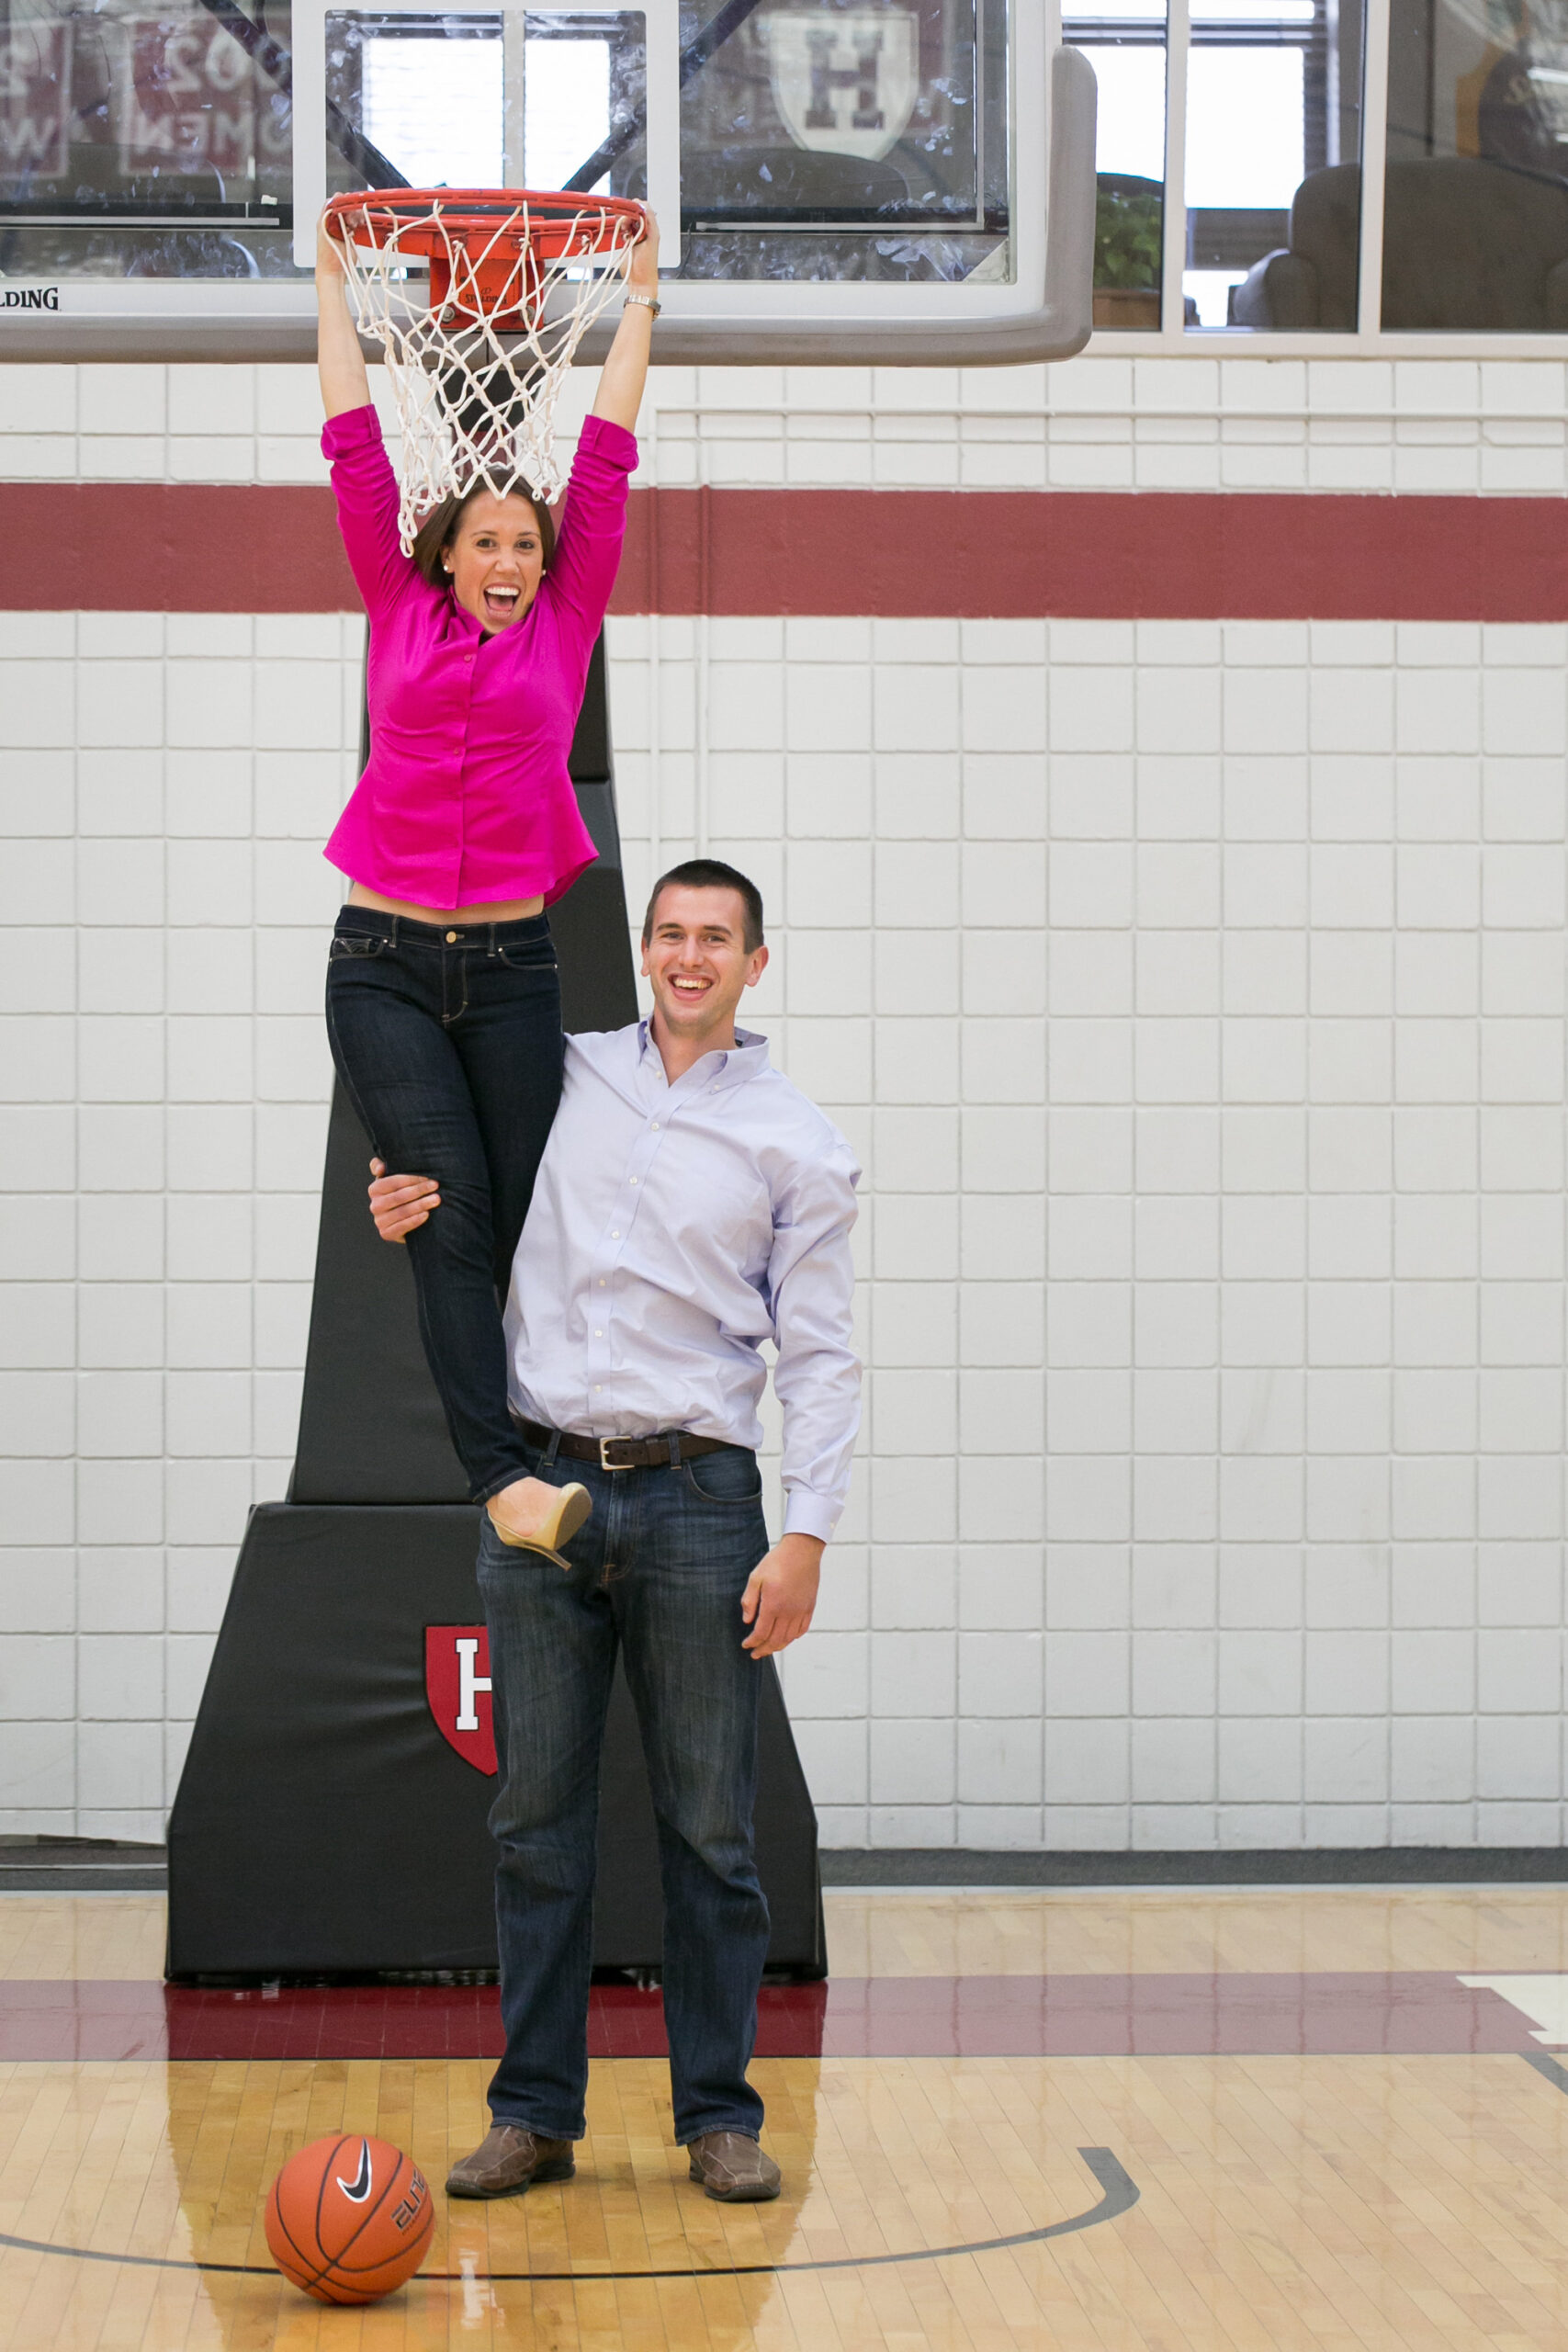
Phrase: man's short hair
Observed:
(711, 874)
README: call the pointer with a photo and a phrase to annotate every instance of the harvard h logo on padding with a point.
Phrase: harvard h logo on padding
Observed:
(457, 1684)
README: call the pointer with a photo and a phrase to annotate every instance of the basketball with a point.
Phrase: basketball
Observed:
(349, 2219)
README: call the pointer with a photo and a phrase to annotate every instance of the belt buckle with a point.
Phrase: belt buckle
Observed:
(604, 1461)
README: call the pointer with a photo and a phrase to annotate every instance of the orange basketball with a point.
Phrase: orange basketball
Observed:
(348, 2219)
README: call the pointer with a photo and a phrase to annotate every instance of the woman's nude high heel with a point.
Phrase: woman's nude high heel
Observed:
(573, 1505)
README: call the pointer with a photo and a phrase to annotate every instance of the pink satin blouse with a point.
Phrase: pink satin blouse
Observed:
(467, 798)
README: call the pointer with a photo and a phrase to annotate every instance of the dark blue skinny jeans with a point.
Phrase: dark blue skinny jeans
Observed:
(448, 1043)
(658, 1573)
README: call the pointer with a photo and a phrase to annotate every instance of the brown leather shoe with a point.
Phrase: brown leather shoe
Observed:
(508, 2161)
(734, 2168)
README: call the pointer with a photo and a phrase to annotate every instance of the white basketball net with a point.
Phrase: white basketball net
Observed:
(475, 402)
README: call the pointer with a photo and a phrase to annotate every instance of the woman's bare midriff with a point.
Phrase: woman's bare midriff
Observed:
(497, 911)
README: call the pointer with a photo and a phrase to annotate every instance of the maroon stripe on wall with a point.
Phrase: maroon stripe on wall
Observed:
(171, 547)
(121, 547)
(1153, 555)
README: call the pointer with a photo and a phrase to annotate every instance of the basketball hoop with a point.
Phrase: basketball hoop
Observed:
(515, 280)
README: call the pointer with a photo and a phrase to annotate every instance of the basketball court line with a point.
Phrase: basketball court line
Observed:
(1120, 2193)
(1404, 2194)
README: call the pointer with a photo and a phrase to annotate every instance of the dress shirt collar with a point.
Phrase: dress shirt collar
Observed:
(730, 1066)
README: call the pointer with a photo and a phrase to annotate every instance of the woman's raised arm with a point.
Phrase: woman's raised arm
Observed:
(626, 370)
(339, 360)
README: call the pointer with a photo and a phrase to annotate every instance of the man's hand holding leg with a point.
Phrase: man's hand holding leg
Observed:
(399, 1204)
(781, 1595)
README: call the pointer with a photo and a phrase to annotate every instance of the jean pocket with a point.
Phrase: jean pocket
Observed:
(536, 956)
(497, 1558)
(354, 948)
(731, 1477)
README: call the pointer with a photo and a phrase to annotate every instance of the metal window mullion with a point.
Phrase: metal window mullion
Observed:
(1374, 152)
(1178, 40)
(514, 106)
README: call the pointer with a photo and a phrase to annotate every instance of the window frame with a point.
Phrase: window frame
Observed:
(1173, 335)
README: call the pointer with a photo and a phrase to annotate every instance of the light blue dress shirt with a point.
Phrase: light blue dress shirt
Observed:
(675, 1228)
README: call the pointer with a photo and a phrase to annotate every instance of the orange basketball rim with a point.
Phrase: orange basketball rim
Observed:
(489, 249)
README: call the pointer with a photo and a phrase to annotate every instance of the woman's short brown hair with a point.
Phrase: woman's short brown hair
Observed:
(439, 529)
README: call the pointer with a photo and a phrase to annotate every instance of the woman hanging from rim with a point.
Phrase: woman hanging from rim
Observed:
(442, 998)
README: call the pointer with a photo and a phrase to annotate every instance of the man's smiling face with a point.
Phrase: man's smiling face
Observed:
(697, 964)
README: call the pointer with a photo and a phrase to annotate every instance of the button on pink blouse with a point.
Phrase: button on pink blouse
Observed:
(467, 798)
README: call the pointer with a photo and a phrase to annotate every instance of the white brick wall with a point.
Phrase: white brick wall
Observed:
(1244, 1528)
(1193, 422)
(165, 783)
(1194, 992)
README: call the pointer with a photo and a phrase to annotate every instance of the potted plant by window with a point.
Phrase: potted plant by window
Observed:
(1126, 252)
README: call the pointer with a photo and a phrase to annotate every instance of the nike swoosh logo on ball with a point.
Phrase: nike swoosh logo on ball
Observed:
(359, 2189)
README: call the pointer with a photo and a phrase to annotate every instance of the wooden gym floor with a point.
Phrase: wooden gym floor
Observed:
(1275, 2118)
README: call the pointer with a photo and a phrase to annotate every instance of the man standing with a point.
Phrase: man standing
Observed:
(692, 1203)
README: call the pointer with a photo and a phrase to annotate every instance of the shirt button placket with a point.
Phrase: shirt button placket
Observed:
(598, 1347)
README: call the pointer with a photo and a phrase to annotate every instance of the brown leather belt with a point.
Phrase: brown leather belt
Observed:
(623, 1452)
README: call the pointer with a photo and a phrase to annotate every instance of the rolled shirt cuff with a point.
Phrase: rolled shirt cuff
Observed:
(612, 442)
(809, 1514)
(353, 428)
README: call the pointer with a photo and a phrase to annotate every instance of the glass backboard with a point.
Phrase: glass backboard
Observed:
(820, 170)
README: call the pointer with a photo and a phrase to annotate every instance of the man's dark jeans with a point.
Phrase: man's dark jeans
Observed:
(658, 1572)
(448, 1043)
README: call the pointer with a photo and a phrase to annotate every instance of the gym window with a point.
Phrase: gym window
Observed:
(1328, 168)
